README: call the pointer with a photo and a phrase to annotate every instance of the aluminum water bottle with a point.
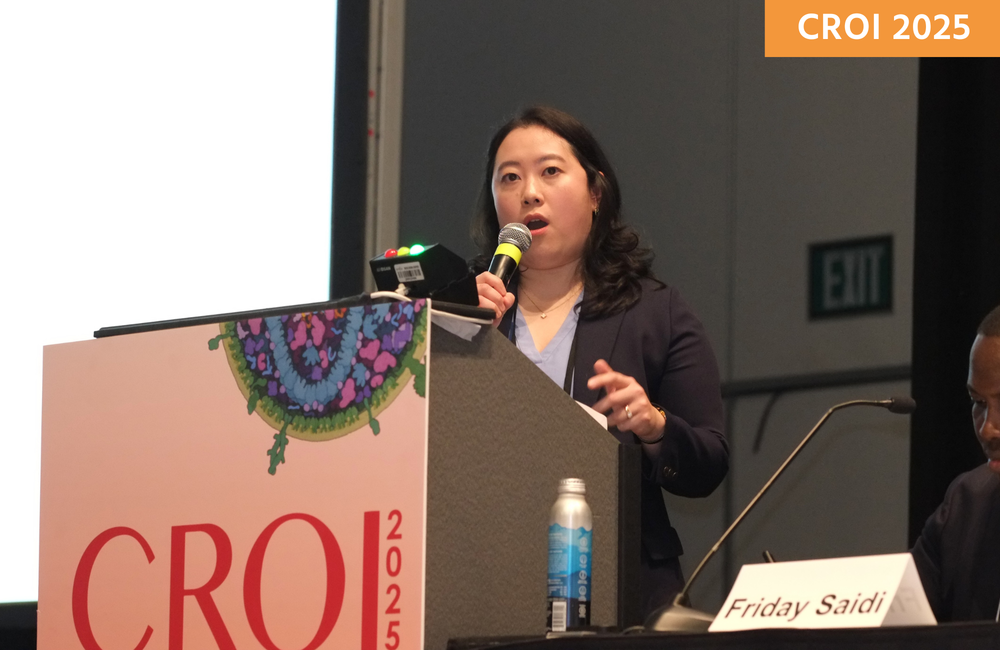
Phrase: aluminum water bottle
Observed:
(571, 528)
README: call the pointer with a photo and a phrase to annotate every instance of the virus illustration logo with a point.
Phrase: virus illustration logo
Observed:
(321, 375)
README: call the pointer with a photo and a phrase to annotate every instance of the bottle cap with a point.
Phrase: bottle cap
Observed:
(572, 486)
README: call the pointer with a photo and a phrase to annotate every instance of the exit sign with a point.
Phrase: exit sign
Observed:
(850, 277)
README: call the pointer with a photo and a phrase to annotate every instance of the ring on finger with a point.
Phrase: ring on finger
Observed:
(628, 412)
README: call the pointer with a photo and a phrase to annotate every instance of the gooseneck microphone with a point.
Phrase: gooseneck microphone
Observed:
(904, 405)
(679, 616)
(514, 240)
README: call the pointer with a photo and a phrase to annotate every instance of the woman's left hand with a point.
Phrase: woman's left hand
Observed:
(629, 406)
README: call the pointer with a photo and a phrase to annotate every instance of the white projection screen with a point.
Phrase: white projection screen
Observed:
(158, 160)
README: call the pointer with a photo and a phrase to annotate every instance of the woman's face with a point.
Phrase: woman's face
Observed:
(538, 181)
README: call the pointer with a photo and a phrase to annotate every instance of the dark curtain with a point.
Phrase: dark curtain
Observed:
(956, 273)
(350, 151)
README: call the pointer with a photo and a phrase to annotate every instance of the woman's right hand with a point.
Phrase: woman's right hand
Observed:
(493, 295)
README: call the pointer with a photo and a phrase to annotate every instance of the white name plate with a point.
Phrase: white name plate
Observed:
(871, 591)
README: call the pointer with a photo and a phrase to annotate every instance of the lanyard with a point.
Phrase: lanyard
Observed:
(571, 362)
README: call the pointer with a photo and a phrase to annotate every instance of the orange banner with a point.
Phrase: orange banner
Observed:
(881, 28)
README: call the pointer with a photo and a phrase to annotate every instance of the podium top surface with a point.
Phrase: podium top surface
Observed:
(350, 301)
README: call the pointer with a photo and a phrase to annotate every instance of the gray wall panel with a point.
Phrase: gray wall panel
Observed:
(826, 151)
(651, 79)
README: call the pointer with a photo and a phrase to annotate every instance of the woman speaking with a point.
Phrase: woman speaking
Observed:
(585, 308)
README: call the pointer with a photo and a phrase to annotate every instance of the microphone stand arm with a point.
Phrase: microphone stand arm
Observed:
(682, 599)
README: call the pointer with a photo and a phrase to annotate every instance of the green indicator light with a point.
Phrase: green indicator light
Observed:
(416, 249)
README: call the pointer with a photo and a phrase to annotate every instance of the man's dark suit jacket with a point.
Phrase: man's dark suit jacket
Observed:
(958, 552)
(663, 345)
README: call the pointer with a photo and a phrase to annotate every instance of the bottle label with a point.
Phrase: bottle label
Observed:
(569, 577)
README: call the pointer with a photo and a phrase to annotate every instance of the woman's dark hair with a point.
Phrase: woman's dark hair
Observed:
(613, 260)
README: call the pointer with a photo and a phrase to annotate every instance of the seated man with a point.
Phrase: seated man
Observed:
(958, 553)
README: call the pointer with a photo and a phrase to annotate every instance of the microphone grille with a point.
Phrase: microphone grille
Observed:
(516, 234)
(902, 404)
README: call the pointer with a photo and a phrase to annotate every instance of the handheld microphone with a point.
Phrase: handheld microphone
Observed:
(514, 240)
(679, 616)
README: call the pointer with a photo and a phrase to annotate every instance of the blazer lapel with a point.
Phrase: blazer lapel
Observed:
(596, 339)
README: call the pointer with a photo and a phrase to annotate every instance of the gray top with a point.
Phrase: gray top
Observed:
(553, 359)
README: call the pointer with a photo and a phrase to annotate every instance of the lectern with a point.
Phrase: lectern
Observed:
(340, 475)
